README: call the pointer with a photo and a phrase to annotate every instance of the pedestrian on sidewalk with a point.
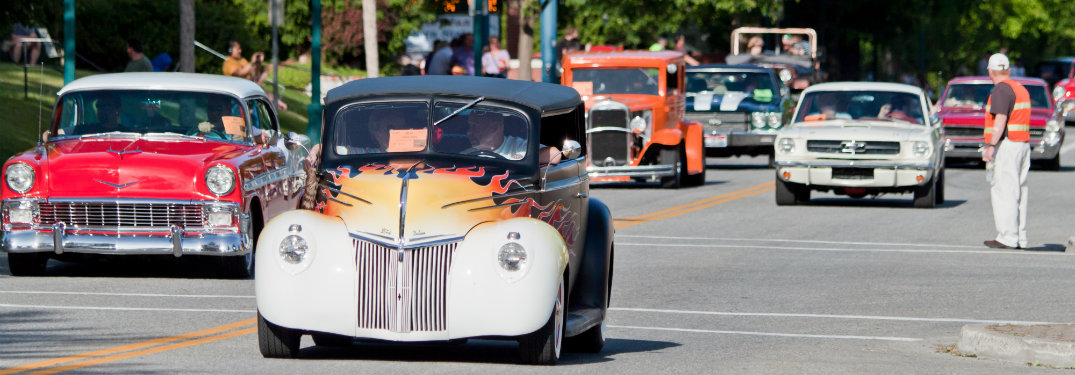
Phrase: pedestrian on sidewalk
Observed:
(139, 62)
(1007, 132)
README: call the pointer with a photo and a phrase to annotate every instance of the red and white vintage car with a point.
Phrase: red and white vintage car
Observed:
(151, 163)
(962, 111)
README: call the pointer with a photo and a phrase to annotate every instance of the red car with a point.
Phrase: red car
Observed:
(962, 111)
(1062, 72)
(150, 163)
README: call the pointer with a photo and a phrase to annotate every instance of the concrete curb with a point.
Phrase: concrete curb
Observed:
(979, 340)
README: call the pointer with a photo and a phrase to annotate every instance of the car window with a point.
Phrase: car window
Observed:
(1039, 96)
(642, 81)
(482, 131)
(261, 121)
(865, 105)
(149, 112)
(755, 86)
(381, 128)
(975, 95)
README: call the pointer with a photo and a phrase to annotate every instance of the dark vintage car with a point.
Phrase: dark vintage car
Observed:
(962, 111)
(438, 218)
(151, 164)
(740, 106)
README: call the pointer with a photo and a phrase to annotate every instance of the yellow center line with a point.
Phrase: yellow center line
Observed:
(694, 206)
(158, 349)
(123, 348)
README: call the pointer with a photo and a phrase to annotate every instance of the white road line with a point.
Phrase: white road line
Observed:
(123, 308)
(917, 251)
(824, 316)
(799, 241)
(122, 294)
(774, 334)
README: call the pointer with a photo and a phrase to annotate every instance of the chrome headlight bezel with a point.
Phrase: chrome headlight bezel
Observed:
(220, 180)
(757, 120)
(19, 177)
(920, 148)
(293, 249)
(785, 145)
(1058, 92)
(512, 257)
(773, 119)
(1053, 125)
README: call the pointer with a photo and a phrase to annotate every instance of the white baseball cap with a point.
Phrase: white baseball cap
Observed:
(998, 62)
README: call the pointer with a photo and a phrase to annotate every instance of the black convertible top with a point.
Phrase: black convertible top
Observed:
(544, 97)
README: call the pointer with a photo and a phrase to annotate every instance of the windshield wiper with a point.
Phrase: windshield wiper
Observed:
(112, 133)
(461, 109)
(170, 134)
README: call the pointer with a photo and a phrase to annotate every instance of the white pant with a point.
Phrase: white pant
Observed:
(1008, 192)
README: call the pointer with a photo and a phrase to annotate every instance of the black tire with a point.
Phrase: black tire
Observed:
(542, 347)
(241, 267)
(772, 160)
(940, 188)
(593, 339)
(328, 339)
(27, 264)
(925, 196)
(697, 179)
(1052, 164)
(786, 193)
(673, 157)
(276, 341)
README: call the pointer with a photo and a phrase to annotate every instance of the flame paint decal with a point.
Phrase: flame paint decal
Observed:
(440, 201)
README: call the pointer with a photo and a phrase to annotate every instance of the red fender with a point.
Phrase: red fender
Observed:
(694, 148)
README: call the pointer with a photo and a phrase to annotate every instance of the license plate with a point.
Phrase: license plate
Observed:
(719, 140)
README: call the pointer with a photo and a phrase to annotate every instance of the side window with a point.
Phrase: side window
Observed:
(68, 116)
(262, 126)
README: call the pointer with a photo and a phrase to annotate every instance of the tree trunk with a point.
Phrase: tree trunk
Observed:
(526, 37)
(186, 36)
(369, 36)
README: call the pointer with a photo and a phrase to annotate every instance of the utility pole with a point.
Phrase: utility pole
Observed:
(369, 36)
(526, 39)
(186, 36)
(548, 42)
(481, 32)
(313, 125)
(68, 41)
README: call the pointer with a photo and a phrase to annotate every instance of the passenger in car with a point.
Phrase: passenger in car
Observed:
(108, 113)
(486, 132)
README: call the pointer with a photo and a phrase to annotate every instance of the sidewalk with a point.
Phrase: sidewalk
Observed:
(1040, 344)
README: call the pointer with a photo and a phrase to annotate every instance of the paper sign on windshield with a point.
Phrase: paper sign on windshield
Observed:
(233, 125)
(406, 140)
(584, 88)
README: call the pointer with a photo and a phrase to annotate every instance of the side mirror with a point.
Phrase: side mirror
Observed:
(935, 119)
(291, 141)
(784, 91)
(572, 149)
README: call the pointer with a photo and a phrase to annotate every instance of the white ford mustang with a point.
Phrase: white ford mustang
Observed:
(859, 139)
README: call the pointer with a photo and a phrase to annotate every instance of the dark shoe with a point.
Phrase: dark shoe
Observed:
(994, 244)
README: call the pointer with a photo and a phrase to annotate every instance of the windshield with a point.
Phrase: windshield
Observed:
(149, 112)
(754, 85)
(866, 105)
(400, 127)
(975, 95)
(641, 81)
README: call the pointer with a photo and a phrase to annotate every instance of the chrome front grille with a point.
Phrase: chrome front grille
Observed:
(961, 132)
(403, 291)
(720, 121)
(120, 216)
(608, 118)
(854, 148)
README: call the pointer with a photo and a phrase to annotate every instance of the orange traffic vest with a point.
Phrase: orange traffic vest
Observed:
(1019, 120)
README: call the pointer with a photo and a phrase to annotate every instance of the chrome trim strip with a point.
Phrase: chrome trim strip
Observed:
(58, 233)
(134, 201)
(852, 163)
(177, 241)
(630, 171)
(506, 195)
(338, 191)
(339, 201)
(496, 206)
(412, 244)
(608, 128)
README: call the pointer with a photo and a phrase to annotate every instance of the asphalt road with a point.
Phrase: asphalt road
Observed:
(713, 279)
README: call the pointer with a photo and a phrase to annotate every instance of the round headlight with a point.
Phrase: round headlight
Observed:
(773, 119)
(20, 177)
(512, 256)
(785, 145)
(293, 249)
(638, 124)
(757, 119)
(1058, 92)
(921, 148)
(785, 75)
(220, 179)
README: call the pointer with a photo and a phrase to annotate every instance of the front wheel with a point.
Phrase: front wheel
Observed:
(673, 157)
(276, 341)
(925, 196)
(27, 264)
(542, 347)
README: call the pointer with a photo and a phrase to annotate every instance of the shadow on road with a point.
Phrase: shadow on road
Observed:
(1055, 247)
(876, 203)
(162, 266)
(474, 351)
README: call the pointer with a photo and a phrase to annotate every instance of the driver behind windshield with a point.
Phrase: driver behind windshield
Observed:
(486, 133)
(108, 113)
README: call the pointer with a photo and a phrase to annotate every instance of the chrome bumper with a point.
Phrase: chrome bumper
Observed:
(973, 150)
(712, 140)
(60, 240)
(644, 171)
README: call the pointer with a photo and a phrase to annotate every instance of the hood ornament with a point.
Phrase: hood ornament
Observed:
(118, 186)
(122, 152)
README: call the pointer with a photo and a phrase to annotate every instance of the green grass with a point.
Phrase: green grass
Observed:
(19, 115)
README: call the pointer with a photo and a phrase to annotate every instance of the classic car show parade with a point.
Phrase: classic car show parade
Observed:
(524, 186)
